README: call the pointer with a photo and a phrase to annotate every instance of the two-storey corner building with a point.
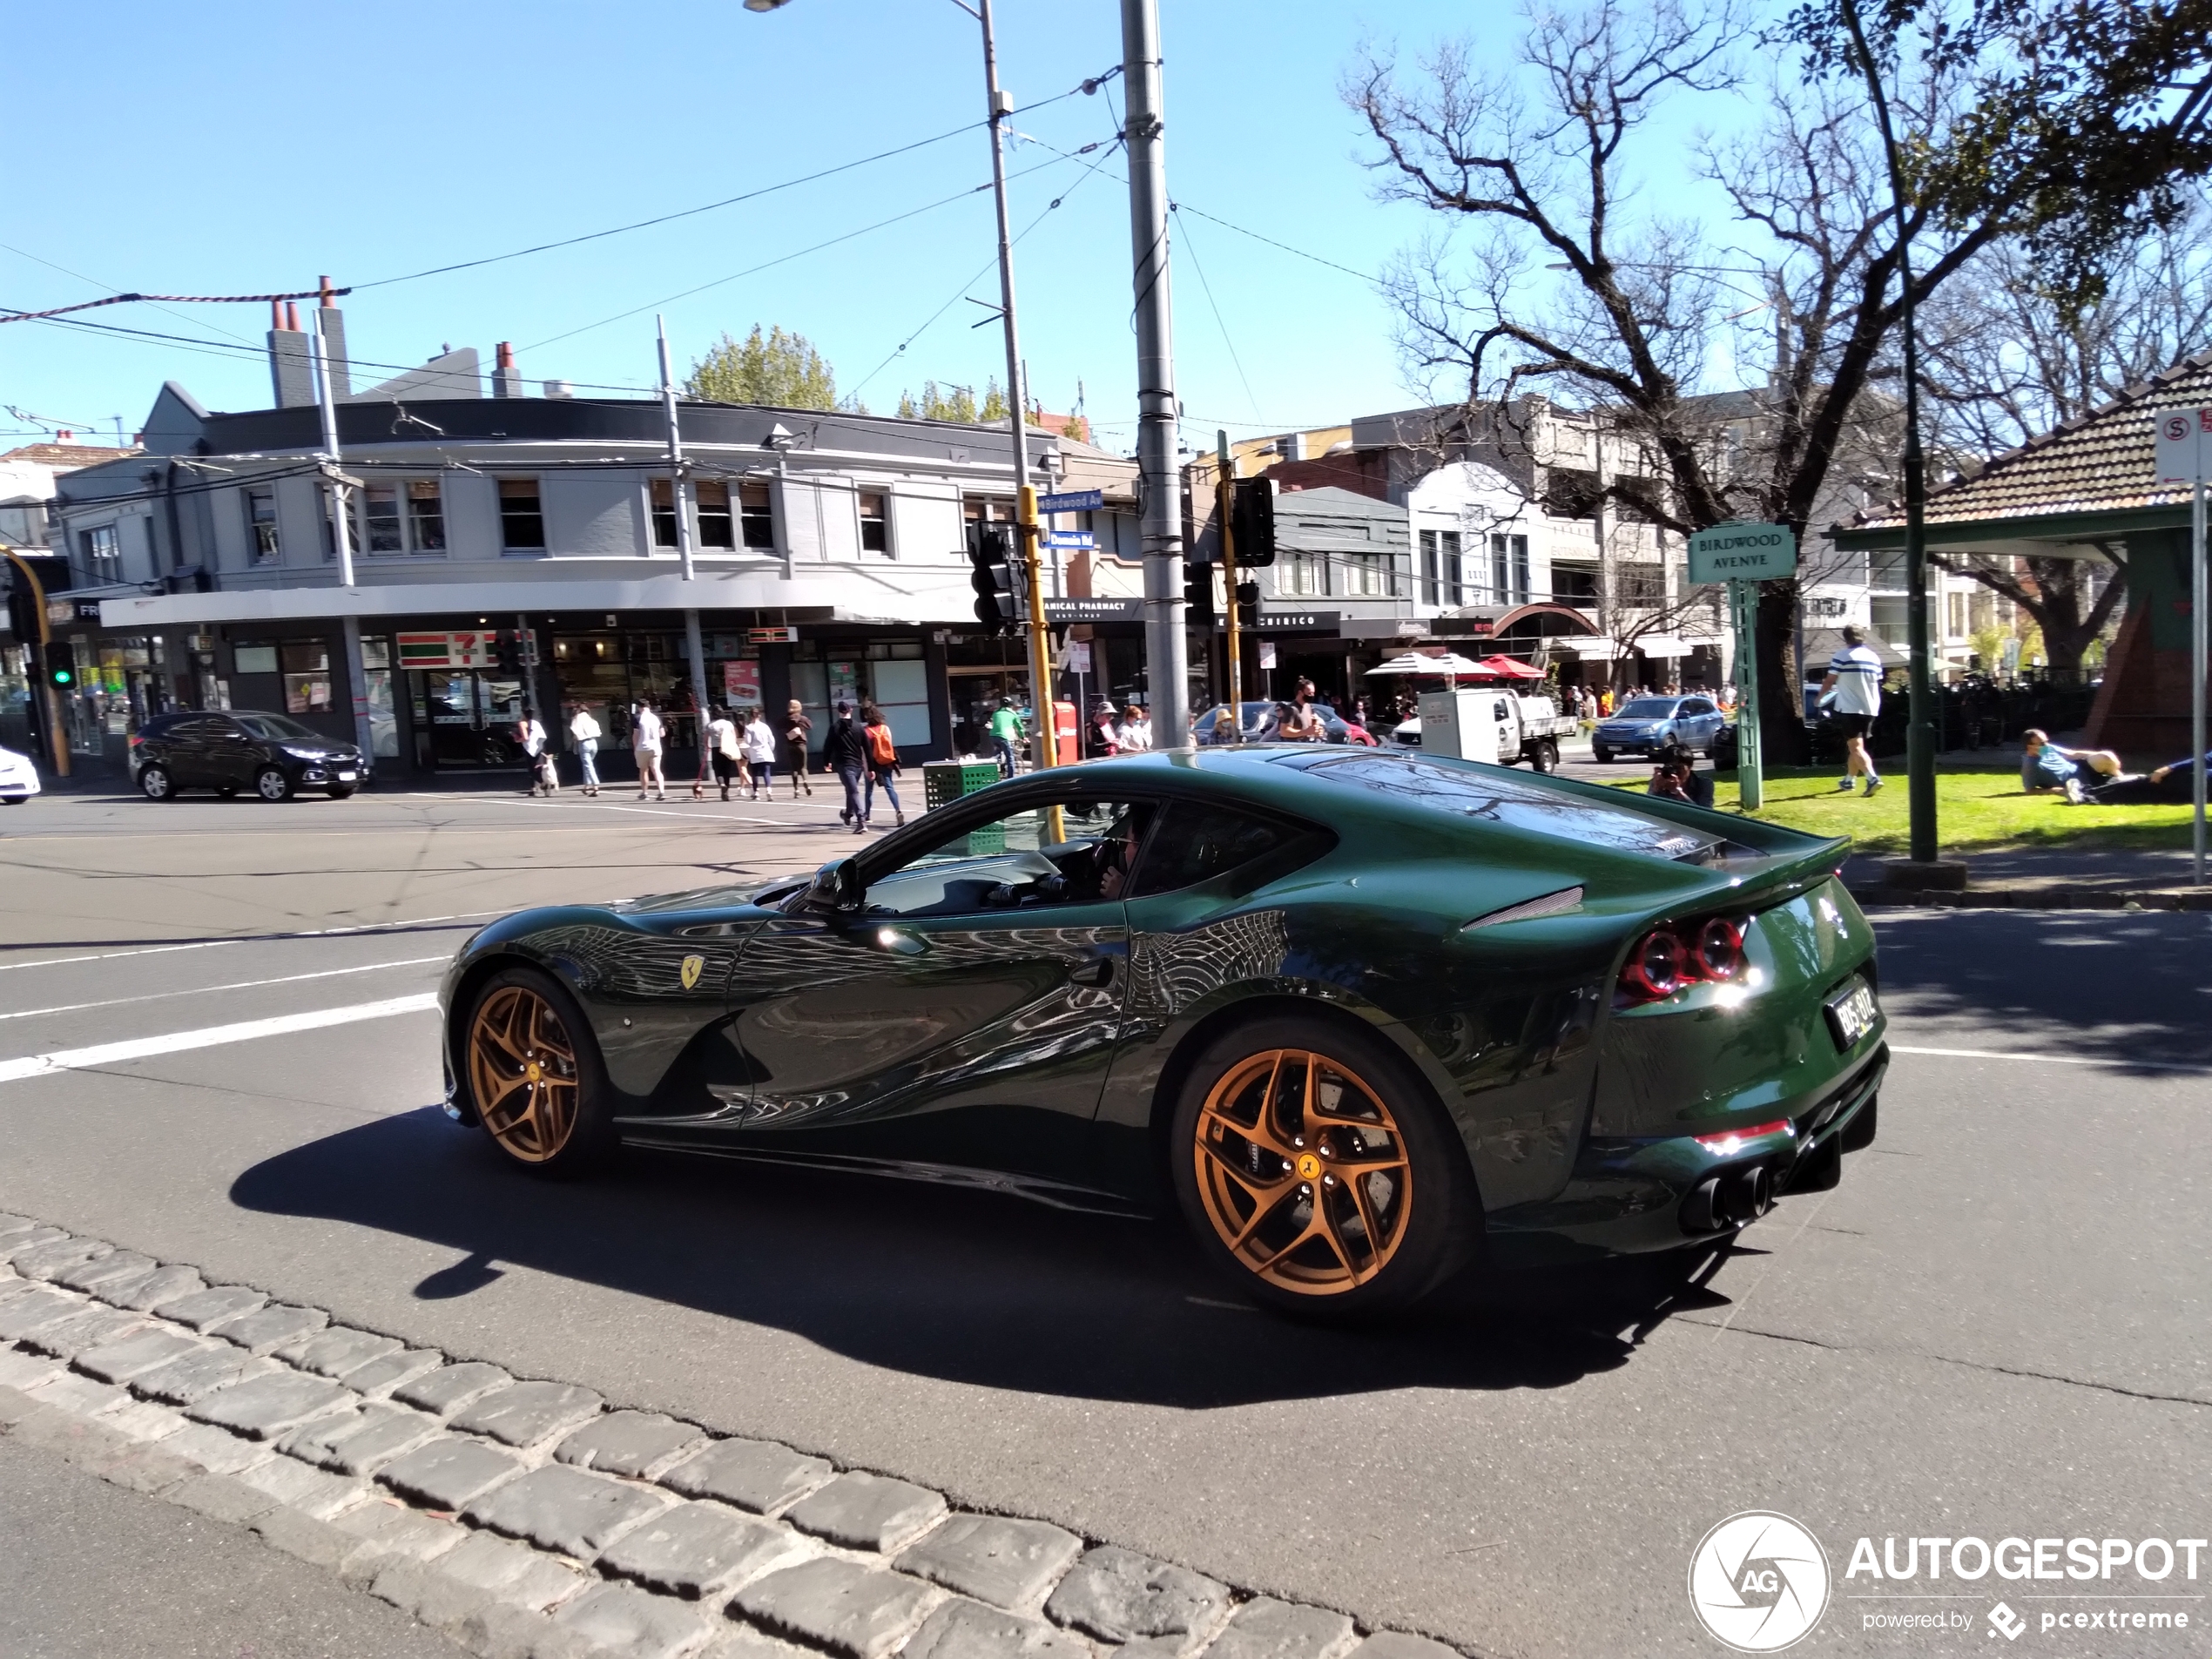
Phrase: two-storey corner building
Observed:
(513, 552)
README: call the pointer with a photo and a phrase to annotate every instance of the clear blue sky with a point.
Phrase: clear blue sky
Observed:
(247, 147)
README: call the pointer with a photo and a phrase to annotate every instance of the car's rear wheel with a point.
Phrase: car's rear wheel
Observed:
(1318, 1170)
(1547, 756)
(535, 1074)
(270, 783)
(155, 784)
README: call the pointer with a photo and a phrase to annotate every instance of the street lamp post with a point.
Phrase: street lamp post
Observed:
(1025, 496)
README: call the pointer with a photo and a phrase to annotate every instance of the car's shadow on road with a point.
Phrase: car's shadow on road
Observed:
(967, 1286)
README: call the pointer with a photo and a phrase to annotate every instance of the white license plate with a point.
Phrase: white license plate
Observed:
(345, 777)
(1852, 1013)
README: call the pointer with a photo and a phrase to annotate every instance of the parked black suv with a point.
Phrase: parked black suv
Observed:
(270, 754)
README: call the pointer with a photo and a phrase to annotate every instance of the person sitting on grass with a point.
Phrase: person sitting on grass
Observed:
(2172, 785)
(2044, 765)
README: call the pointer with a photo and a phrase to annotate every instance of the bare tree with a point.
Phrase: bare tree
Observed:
(1649, 316)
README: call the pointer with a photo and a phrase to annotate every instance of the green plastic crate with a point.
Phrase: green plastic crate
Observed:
(945, 781)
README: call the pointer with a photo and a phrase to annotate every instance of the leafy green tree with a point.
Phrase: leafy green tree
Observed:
(994, 404)
(782, 370)
(948, 403)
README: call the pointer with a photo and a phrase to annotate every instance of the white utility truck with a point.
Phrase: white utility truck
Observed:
(1488, 723)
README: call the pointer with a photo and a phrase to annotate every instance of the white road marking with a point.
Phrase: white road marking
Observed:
(108, 1054)
(236, 985)
(256, 939)
(2049, 1059)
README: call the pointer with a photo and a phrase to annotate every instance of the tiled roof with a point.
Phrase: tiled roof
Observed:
(2099, 463)
(66, 458)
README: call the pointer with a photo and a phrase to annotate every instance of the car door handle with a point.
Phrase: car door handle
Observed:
(1094, 971)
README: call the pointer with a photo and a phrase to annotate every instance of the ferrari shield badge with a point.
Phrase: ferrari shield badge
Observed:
(692, 967)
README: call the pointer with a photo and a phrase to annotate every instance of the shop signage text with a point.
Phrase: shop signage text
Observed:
(1094, 609)
(1292, 622)
(771, 636)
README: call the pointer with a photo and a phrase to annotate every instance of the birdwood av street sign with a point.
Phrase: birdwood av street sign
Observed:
(1742, 553)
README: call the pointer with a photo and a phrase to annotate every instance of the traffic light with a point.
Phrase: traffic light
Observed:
(507, 651)
(991, 573)
(61, 665)
(1248, 603)
(1197, 594)
(1251, 523)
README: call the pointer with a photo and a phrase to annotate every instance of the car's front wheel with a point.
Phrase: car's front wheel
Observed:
(270, 783)
(155, 784)
(535, 1074)
(338, 791)
(1319, 1171)
(1600, 753)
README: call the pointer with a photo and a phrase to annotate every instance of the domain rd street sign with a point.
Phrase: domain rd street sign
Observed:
(1742, 553)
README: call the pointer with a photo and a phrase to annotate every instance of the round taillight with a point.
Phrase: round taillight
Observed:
(1654, 967)
(1720, 949)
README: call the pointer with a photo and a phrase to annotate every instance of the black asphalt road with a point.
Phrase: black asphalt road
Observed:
(1996, 1327)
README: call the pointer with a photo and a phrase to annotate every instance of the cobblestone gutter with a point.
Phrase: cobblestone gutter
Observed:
(528, 1519)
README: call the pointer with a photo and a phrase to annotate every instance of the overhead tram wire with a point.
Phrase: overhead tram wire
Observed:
(1113, 144)
(785, 259)
(1191, 248)
(79, 276)
(708, 207)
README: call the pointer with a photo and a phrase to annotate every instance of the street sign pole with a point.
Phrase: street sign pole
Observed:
(1750, 786)
(1743, 556)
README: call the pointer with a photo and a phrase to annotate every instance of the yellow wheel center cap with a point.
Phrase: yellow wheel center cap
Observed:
(1309, 1167)
(533, 1073)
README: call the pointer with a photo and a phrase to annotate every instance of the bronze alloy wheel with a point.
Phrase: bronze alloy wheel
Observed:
(523, 1070)
(1303, 1172)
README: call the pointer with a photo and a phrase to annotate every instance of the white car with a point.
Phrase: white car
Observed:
(18, 778)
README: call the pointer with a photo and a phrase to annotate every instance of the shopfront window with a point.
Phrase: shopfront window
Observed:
(376, 686)
(306, 675)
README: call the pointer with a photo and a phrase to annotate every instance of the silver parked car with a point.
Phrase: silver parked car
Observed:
(1644, 724)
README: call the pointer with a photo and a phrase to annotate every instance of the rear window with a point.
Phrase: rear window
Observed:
(1498, 796)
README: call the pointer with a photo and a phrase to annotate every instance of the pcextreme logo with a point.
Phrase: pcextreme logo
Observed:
(1758, 1581)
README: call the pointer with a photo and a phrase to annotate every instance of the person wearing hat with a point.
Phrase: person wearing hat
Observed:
(799, 732)
(845, 752)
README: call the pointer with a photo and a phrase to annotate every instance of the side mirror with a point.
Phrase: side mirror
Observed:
(836, 886)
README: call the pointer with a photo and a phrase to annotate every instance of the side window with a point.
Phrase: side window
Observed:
(1077, 853)
(1196, 843)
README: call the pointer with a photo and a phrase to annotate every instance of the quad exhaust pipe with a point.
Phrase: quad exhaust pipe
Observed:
(1730, 1198)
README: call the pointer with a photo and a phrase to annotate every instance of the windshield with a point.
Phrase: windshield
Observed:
(1501, 797)
(276, 727)
(1647, 708)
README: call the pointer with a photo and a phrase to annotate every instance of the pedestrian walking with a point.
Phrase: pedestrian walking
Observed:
(1852, 693)
(798, 738)
(532, 735)
(883, 763)
(645, 743)
(1006, 735)
(722, 749)
(758, 742)
(845, 752)
(1100, 738)
(1136, 730)
(583, 731)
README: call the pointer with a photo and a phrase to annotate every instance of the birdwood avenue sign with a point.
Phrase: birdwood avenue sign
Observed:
(1742, 553)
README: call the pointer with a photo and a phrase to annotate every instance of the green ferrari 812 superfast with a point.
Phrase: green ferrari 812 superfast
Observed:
(1362, 1016)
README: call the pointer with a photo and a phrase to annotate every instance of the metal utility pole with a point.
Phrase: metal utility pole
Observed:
(1043, 746)
(693, 643)
(1159, 499)
(342, 533)
(2197, 628)
(1227, 497)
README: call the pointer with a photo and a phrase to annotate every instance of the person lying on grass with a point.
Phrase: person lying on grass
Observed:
(2172, 785)
(2044, 765)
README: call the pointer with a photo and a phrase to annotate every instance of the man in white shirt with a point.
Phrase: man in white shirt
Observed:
(645, 744)
(583, 731)
(722, 749)
(532, 732)
(1852, 693)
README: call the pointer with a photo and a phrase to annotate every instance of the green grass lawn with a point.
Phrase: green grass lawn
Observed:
(1975, 812)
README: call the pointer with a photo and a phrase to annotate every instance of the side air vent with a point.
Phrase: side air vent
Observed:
(1550, 905)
